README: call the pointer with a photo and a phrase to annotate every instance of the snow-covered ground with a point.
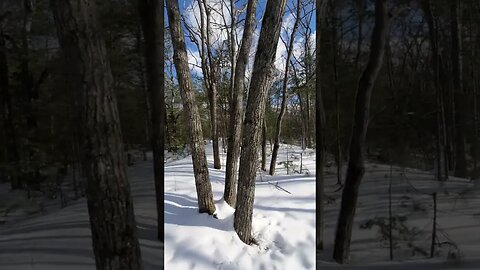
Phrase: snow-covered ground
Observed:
(283, 223)
(61, 239)
(458, 221)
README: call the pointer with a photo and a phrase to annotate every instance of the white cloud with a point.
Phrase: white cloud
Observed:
(219, 16)
(194, 61)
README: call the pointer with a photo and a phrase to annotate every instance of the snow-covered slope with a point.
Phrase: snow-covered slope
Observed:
(283, 223)
(62, 240)
(458, 221)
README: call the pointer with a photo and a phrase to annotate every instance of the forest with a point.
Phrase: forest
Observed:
(241, 134)
(397, 86)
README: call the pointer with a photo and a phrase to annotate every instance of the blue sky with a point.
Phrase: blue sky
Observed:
(189, 10)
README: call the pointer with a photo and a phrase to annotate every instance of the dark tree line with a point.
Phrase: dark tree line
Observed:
(75, 78)
(410, 85)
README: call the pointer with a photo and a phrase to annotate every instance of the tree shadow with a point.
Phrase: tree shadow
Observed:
(183, 210)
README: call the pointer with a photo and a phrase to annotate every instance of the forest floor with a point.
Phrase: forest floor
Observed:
(283, 218)
(458, 221)
(59, 238)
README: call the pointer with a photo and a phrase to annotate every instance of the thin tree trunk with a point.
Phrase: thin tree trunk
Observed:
(151, 14)
(356, 166)
(457, 62)
(143, 85)
(441, 133)
(283, 106)
(212, 93)
(30, 95)
(338, 150)
(264, 145)
(9, 128)
(361, 14)
(192, 116)
(110, 206)
(260, 84)
(320, 123)
(236, 104)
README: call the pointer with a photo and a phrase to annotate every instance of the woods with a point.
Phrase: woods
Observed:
(239, 134)
(409, 115)
(115, 243)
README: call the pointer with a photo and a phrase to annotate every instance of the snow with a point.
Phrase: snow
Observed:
(458, 220)
(61, 238)
(283, 223)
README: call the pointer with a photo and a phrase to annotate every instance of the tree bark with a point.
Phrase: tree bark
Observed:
(264, 145)
(9, 128)
(356, 166)
(31, 95)
(151, 14)
(192, 116)
(208, 68)
(283, 106)
(110, 206)
(459, 94)
(320, 124)
(261, 82)
(236, 104)
(438, 71)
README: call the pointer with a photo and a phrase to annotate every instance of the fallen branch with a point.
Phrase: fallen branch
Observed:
(279, 187)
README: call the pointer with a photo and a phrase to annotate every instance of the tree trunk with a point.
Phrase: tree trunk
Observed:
(236, 104)
(143, 85)
(441, 132)
(28, 86)
(264, 146)
(211, 80)
(320, 124)
(192, 116)
(338, 150)
(151, 14)
(261, 82)
(9, 128)
(361, 5)
(283, 106)
(356, 166)
(110, 206)
(459, 94)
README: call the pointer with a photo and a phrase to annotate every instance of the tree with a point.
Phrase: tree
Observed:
(151, 14)
(283, 106)
(261, 82)
(437, 70)
(356, 162)
(320, 128)
(236, 104)
(180, 58)
(12, 149)
(459, 99)
(110, 206)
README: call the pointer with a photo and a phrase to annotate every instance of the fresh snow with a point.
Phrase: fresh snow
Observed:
(61, 239)
(458, 220)
(283, 223)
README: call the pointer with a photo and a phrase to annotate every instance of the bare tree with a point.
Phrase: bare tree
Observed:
(459, 94)
(209, 75)
(151, 14)
(356, 162)
(9, 128)
(180, 58)
(261, 82)
(110, 206)
(283, 106)
(236, 104)
(320, 127)
(437, 70)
